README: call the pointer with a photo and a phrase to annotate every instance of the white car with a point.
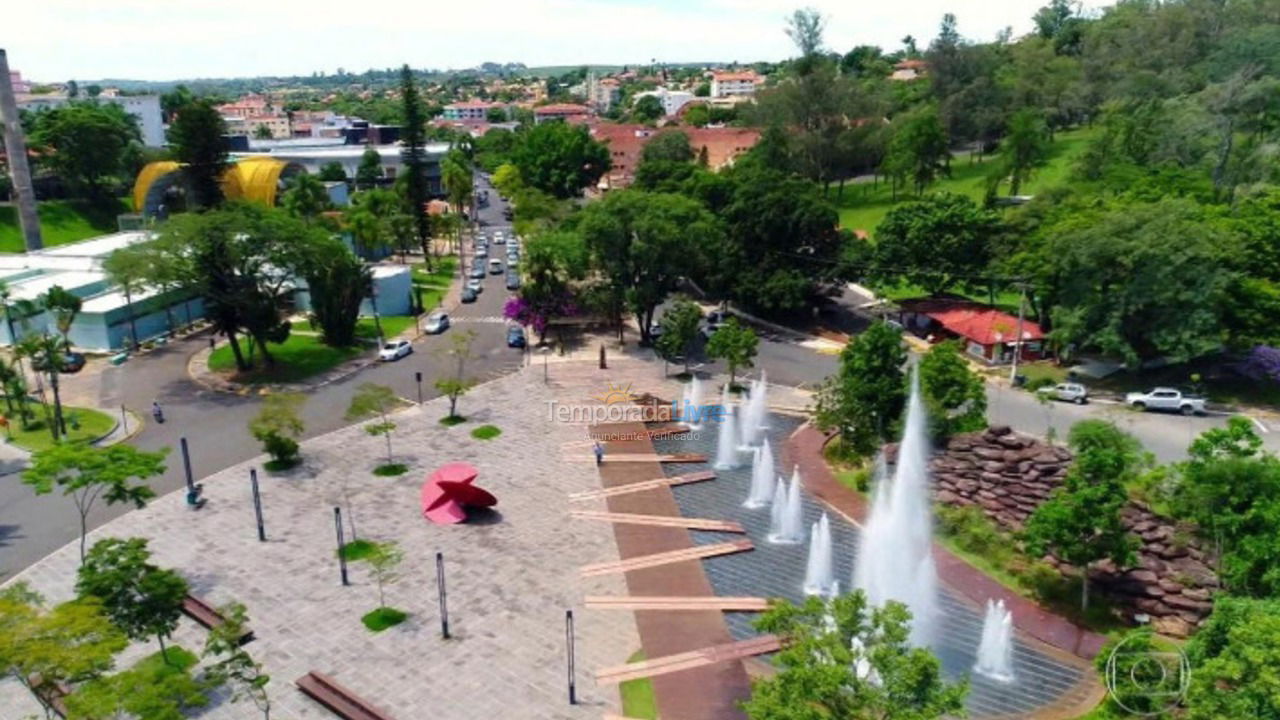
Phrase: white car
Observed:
(437, 323)
(476, 284)
(1170, 399)
(481, 252)
(394, 350)
(1066, 392)
(714, 321)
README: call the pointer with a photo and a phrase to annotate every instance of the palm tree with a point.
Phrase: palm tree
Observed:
(64, 305)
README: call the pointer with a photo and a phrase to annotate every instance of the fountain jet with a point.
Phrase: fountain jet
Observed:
(819, 576)
(762, 478)
(995, 650)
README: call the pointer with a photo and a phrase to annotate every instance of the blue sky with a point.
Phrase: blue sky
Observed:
(170, 39)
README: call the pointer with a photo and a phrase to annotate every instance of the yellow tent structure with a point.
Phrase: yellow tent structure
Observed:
(255, 179)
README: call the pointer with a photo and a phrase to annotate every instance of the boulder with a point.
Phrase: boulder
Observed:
(988, 453)
(1146, 577)
(948, 497)
(1172, 625)
(1170, 586)
(1151, 606)
(1182, 602)
(999, 430)
(1196, 593)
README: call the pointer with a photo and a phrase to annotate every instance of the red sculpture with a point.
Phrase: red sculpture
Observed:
(448, 491)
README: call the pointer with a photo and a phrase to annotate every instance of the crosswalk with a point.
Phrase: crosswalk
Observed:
(482, 319)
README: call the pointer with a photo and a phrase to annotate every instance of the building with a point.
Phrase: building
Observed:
(987, 334)
(909, 70)
(279, 126)
(20, 86)
(728, 84)
(672, 100)
(603, 93)
(246, 106)
(145, 108)
(568, 112)
(471, 110)
(626, 145)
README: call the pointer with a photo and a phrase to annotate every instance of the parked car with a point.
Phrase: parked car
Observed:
(1167, 399)
(481, 254)
(495, 267)
(715, 319)
(499, 237)
(394, 350)
(477, 271)
(469, 295)
(655, 329)
(476, 284)
(515, 337)
(513, 281)
(72, 362)
(1066, 392)
(437, 323)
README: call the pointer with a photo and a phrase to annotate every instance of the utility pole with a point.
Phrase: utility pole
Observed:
(1017, 347)
(19, 169)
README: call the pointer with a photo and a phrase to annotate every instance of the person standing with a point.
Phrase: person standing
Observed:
(598, 449)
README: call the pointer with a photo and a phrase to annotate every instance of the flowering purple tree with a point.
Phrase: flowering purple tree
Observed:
(1261, 363)
(538, 313)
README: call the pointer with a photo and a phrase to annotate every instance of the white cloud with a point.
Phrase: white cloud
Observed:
(149, 39)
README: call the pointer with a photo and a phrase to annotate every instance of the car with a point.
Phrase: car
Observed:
(515, 337)
(72, 362)
(394, 350)
(1169, 399)
(495, 267)
(655, 330)
(499, 236)
(469, 295)
(481, 252)
(714, 320)
(507, 214)
(477, 271)
(1066, 392)
(437, 323)
(476, 284)
(513, 281)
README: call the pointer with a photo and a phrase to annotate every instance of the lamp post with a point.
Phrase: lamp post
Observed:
(443, 595)
(257, 504)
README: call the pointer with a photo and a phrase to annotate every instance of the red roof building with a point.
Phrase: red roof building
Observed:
(562, 111)
(986, 333)
(626, 144)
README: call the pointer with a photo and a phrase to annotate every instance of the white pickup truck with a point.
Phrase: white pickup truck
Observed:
(1169, 399)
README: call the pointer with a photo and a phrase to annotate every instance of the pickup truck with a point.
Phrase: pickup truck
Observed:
(1168, 399)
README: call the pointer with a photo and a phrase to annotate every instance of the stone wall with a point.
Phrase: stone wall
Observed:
(1009, 475)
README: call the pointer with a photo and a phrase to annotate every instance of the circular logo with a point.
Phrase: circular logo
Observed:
(1145, 681)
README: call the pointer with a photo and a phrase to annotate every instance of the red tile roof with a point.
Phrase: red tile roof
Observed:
(985, 326)
(482, 104)
(562, 109)
(911, 65)
(723, 75)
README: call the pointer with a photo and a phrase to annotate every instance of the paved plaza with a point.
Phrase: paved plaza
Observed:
(510, 578)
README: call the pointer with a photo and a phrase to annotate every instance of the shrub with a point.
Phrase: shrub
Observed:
(973, 531)
(486, 432)
(383, 618)
(1041, 381)
(283, 450)
(1043, 580)
(391, 469)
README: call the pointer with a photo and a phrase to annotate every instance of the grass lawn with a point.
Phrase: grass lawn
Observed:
(383, 618)
(61, 222)
(92, 425)
(297, 358)
(486, 432)
(1005, 300)
(392, 325)
(637, 695)
(442, 269)
(865, 205)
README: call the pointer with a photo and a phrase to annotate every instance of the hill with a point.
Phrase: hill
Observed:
(61, 222)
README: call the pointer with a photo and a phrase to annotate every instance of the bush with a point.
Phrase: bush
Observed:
(974, 532)
(391, 469)
(451, 420)
(383, 618)
(358, 550)
(283, 450)
(1036, 383)
(1043, 580)
(486, 432)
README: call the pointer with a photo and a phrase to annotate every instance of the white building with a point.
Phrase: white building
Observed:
(672, 100)
(603, 93)
(146, 108)
(729, 84)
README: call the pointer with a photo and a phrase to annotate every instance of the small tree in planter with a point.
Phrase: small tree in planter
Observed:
(736, 345)
(680, 331)
(277, 426)
(234, 667)
(459, 352)
(140, 598)
(372, 400)
(384, 561)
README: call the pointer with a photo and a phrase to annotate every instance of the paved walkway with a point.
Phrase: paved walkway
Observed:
(510, 578)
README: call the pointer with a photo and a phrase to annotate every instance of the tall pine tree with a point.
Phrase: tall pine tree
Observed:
(413, 140)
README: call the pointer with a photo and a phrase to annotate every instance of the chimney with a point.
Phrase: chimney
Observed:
(19, 170)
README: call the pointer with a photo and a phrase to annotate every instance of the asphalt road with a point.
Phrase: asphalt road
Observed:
(215, 423)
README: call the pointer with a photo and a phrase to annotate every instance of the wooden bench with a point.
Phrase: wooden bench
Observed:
(208, 616)
(341, 701)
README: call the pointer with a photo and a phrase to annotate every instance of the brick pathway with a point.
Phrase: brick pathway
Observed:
(510, 580)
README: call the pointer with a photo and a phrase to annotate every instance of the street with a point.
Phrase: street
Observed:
(215, 423)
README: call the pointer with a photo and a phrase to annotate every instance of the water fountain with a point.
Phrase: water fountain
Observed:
(995, 650)
(787, 527)
(755, 410)
(691, 412)
(727, 441)
(895, 559)
(819, 576)
(762, 478)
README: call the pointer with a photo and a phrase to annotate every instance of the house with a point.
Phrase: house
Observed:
(728, 84)
(604, 93)
(568, 112)
(986, 333)
(471, 110)
(626, 144)
(909, 70)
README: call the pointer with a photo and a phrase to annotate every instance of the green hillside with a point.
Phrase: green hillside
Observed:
(61, 222)
(866, 205)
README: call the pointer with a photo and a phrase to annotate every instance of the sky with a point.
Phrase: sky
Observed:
(59, 40)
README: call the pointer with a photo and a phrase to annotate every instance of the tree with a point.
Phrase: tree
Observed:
(231, 665)
(384, 562)
(1229, 657)
(560, 159)
(703, 90)
(378, 401)
(369, 171)
(459, 185)
(697, 114)
(735, 344)
(338, 282)
(1081, 521)
(647, 109)
(333, 171)
(89, 145)
(140, 598)
(1024, 148)
(52, 351)
(936, 243)
(278, 426)
(373, 219)
(553, 262)
(64, 306)
(306, 198)
(86, 473)
(953, 393)
(919, 150)
(669, 145)
(262, 132)
(805, 27)
(864, 399)
(151, 689)
(495, 115)
(458, 352)
(126, 267)
(413, 155)
(843, 659)
(680, 325)
(196, 137)
(507, 179)
(45, 649)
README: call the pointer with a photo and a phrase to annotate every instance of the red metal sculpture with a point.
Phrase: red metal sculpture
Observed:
(448, 491)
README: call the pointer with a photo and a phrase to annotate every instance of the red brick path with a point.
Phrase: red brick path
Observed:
(804, 448)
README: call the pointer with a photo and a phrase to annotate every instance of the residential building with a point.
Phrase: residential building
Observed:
(909, 70)
(20, 86)
(672, 100)
(987, 334)
(145, 108)
(603, 93)
(278, 125)
(725, 83)
(246, 106)
(471, 110)
(626, 144)
(562, 111)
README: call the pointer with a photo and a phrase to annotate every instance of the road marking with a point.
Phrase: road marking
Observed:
(1261, 425)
